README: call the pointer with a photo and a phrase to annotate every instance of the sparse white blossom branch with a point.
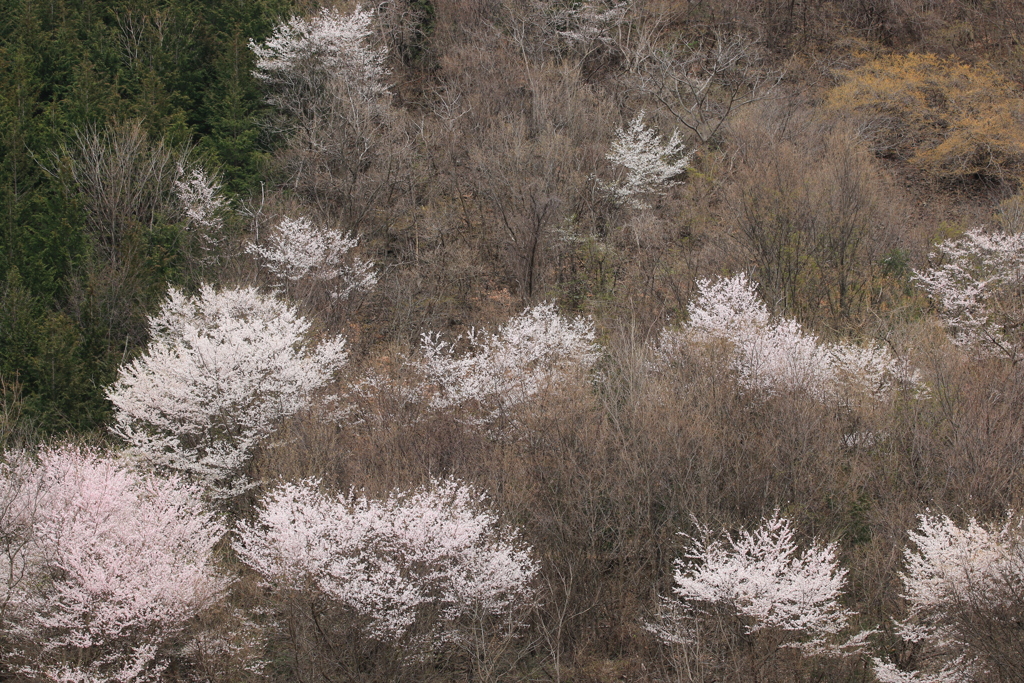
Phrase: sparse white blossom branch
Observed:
(533, 352)
(298, 249)
(585, 25)
(201, 201)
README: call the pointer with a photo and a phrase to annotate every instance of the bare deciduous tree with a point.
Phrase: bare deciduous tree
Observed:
(702, 83)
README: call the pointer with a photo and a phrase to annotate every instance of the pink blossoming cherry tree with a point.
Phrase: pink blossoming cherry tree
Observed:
(103, 569)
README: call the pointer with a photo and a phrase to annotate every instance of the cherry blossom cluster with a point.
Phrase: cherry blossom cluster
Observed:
(386, 560)
(776, 354)
(221, 370)
(533, 352)
(651, 164)
(306, 53)
(102, 567)
(955, 576)
(761, 577)
(585, 25)
(201, 201)
(298, 249)
(977, 289)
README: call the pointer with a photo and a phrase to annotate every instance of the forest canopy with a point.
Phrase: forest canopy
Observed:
(511, 340)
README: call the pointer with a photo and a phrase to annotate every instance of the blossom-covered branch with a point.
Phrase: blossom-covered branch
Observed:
(297, 249)
(978, 288)
(761, 577)
(384, 561)
(750, 601)
(651, 165)
(533, 352)
(306, 53)
(962, 586)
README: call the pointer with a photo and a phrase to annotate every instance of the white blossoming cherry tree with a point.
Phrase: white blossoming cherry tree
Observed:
(420, 570)
(749, 599)
(776, 354)
(534, 352)
(298, 250)
(346, 146)
(307, 56)
(102, 569)
(201, 203)
(584, 27)
(651, 165)
(977, 287)
(964, 592)
(221, 370)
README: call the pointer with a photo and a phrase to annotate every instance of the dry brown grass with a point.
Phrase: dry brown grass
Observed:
(951, 120)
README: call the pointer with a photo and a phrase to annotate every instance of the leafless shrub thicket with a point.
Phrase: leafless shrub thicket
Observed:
(813, 212)
(601, 479)
(478, 190)
(125, 181)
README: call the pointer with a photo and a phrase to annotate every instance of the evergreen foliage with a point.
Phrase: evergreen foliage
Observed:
(182, 70)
